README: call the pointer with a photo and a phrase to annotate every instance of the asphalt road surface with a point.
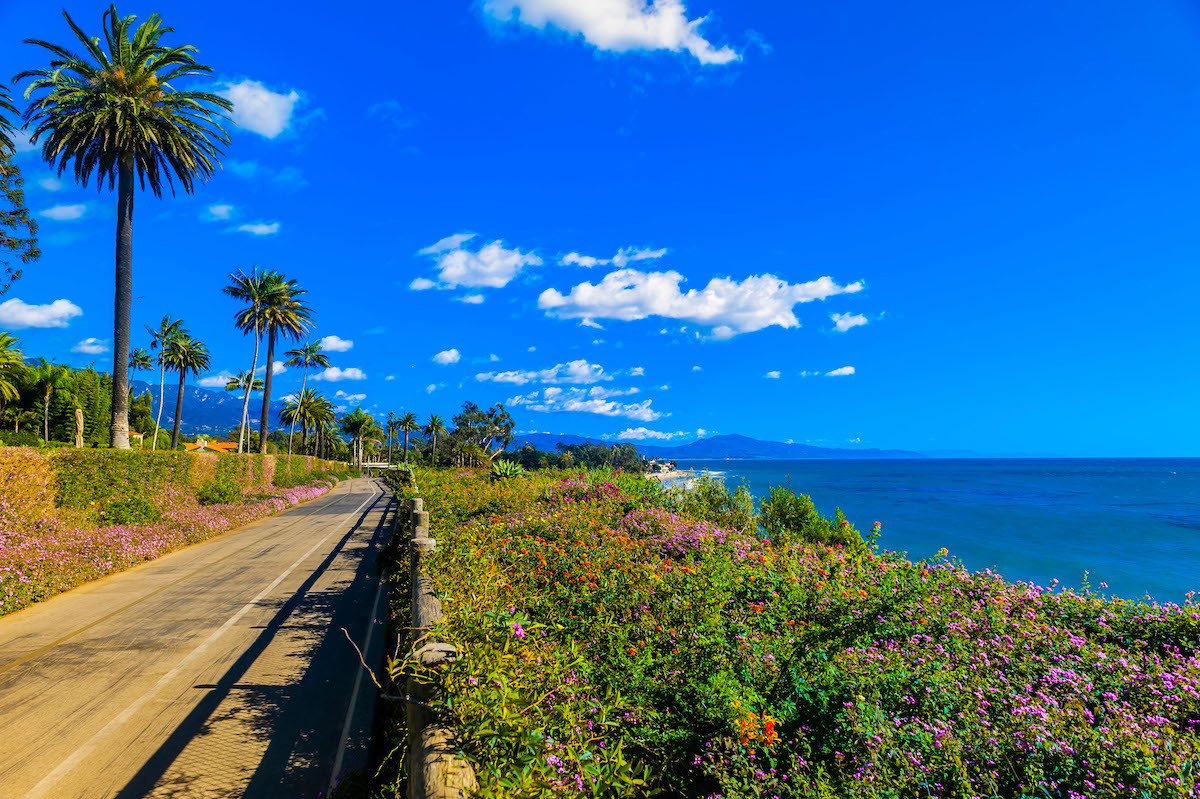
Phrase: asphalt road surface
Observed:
(219, 670)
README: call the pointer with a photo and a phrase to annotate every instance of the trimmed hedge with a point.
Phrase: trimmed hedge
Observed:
(91, 477)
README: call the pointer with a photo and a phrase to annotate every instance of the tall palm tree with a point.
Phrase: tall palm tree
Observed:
(139, 359)
(434, 427)
(252, 289)
(48, 378)
(6, 127)
(168, 330)
(409, 424)
(244, 381)
(185, 355)
(356, 424)
(390, 427)
(306, 355)
(283, 313)
(12, 368)
(114, 112)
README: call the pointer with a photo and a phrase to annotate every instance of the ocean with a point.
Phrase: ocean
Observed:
(1131, 523)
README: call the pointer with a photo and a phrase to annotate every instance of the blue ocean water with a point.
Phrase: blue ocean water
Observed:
(1130, 523)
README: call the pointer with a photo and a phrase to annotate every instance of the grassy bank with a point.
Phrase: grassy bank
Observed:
(617, 640)
(72, 515)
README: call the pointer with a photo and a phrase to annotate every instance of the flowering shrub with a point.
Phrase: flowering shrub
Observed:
(46, 550)
(613, 646)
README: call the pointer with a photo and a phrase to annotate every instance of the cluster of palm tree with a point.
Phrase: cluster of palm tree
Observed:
(178, 351)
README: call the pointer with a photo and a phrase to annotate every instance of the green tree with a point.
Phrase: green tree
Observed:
(18, 230)
(185, 355)
(434, 427)
(114, 112)
(12, 368)
(243, 382)
(168, 330)
(356, 425)
(390, 426)
(305, 356)
(251, 289)
(491, 430)
(48, 378)
(139, 360)
(283, 313)
(6, 125)
(408, 424)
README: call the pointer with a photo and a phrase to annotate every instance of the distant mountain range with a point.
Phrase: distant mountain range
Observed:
(719, 447)
(204, 411)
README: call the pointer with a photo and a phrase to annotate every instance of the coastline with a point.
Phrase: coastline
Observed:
(677, 474)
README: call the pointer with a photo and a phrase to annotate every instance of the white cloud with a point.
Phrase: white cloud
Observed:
(336, 344)
(16, 314)
(844, 370)
(471, 299)
(697, 369)
(578, 372)
(600, 392)
(219, 380)
(451, 242)
(844, 321)
(389, 377)
(257, 108)
(447, 357)
(350, 398)
(219, 211)
(578, 400)
(623, 257)
(50, 184)
(532, 349)
(260, 228)
(618, 25)
(637, 371)
(772, 375)
(644, 434)
(491, 266)
(333, 373)
(493, 357)
(277, 368)
(65, 213)
(421, 284)
(432, 387)
(91, 346)
(732, 307)
(575, 259)
(589, 323)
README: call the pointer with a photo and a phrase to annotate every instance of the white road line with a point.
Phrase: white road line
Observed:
(358, 678)
(76, 757)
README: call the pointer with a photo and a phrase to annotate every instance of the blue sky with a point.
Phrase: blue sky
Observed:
(660, 220)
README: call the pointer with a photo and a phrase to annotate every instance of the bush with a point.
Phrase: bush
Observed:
(221, 491)
(22, 439)
(89, 477)
(129, 510)
(791, 519)
(709, 499)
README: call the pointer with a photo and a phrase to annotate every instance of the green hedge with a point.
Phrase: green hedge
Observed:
(87, 477)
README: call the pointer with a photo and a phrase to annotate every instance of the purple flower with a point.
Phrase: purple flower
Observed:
(518, 630)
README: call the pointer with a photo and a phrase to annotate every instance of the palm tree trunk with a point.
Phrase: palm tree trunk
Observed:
(46, 417)
(303, 437)
(244, 433)
(162, 383)
(303, 383)
(122, 303)
(262, 430)
(178, 410)
(433, 452)
(406, 446)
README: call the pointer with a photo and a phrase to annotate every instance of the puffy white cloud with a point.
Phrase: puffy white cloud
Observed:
(16, 314)
(637, 371)
(589, 323)
(257, 108)
(222, 211)
(334, 373)
(600, 392)
(389, 377)
(493, 357)
(432, 387)
(578, 400)
(336, 344)
(618, 25)
(277, 368)
(471, 299)
(772, 375)
(50, 183)
(730, 306)
(350, 398)
(219, 380)
(841, 371)
(260, 228)
(447, 357)
(532, 349)
(644, 434)
(91, 346)
(65, 213)
(578, 372)
(492, 266)
(697, 369)
(421, 284)
(844, 321)
(623, 257)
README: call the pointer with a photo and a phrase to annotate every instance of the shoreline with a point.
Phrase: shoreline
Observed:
(677, 474)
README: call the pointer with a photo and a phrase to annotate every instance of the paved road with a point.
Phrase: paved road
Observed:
(219, 670)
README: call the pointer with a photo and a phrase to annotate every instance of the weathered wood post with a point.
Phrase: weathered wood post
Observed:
(434, 770)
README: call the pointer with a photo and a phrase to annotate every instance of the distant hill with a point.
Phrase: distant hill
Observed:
(204, 411)
(719, 447)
